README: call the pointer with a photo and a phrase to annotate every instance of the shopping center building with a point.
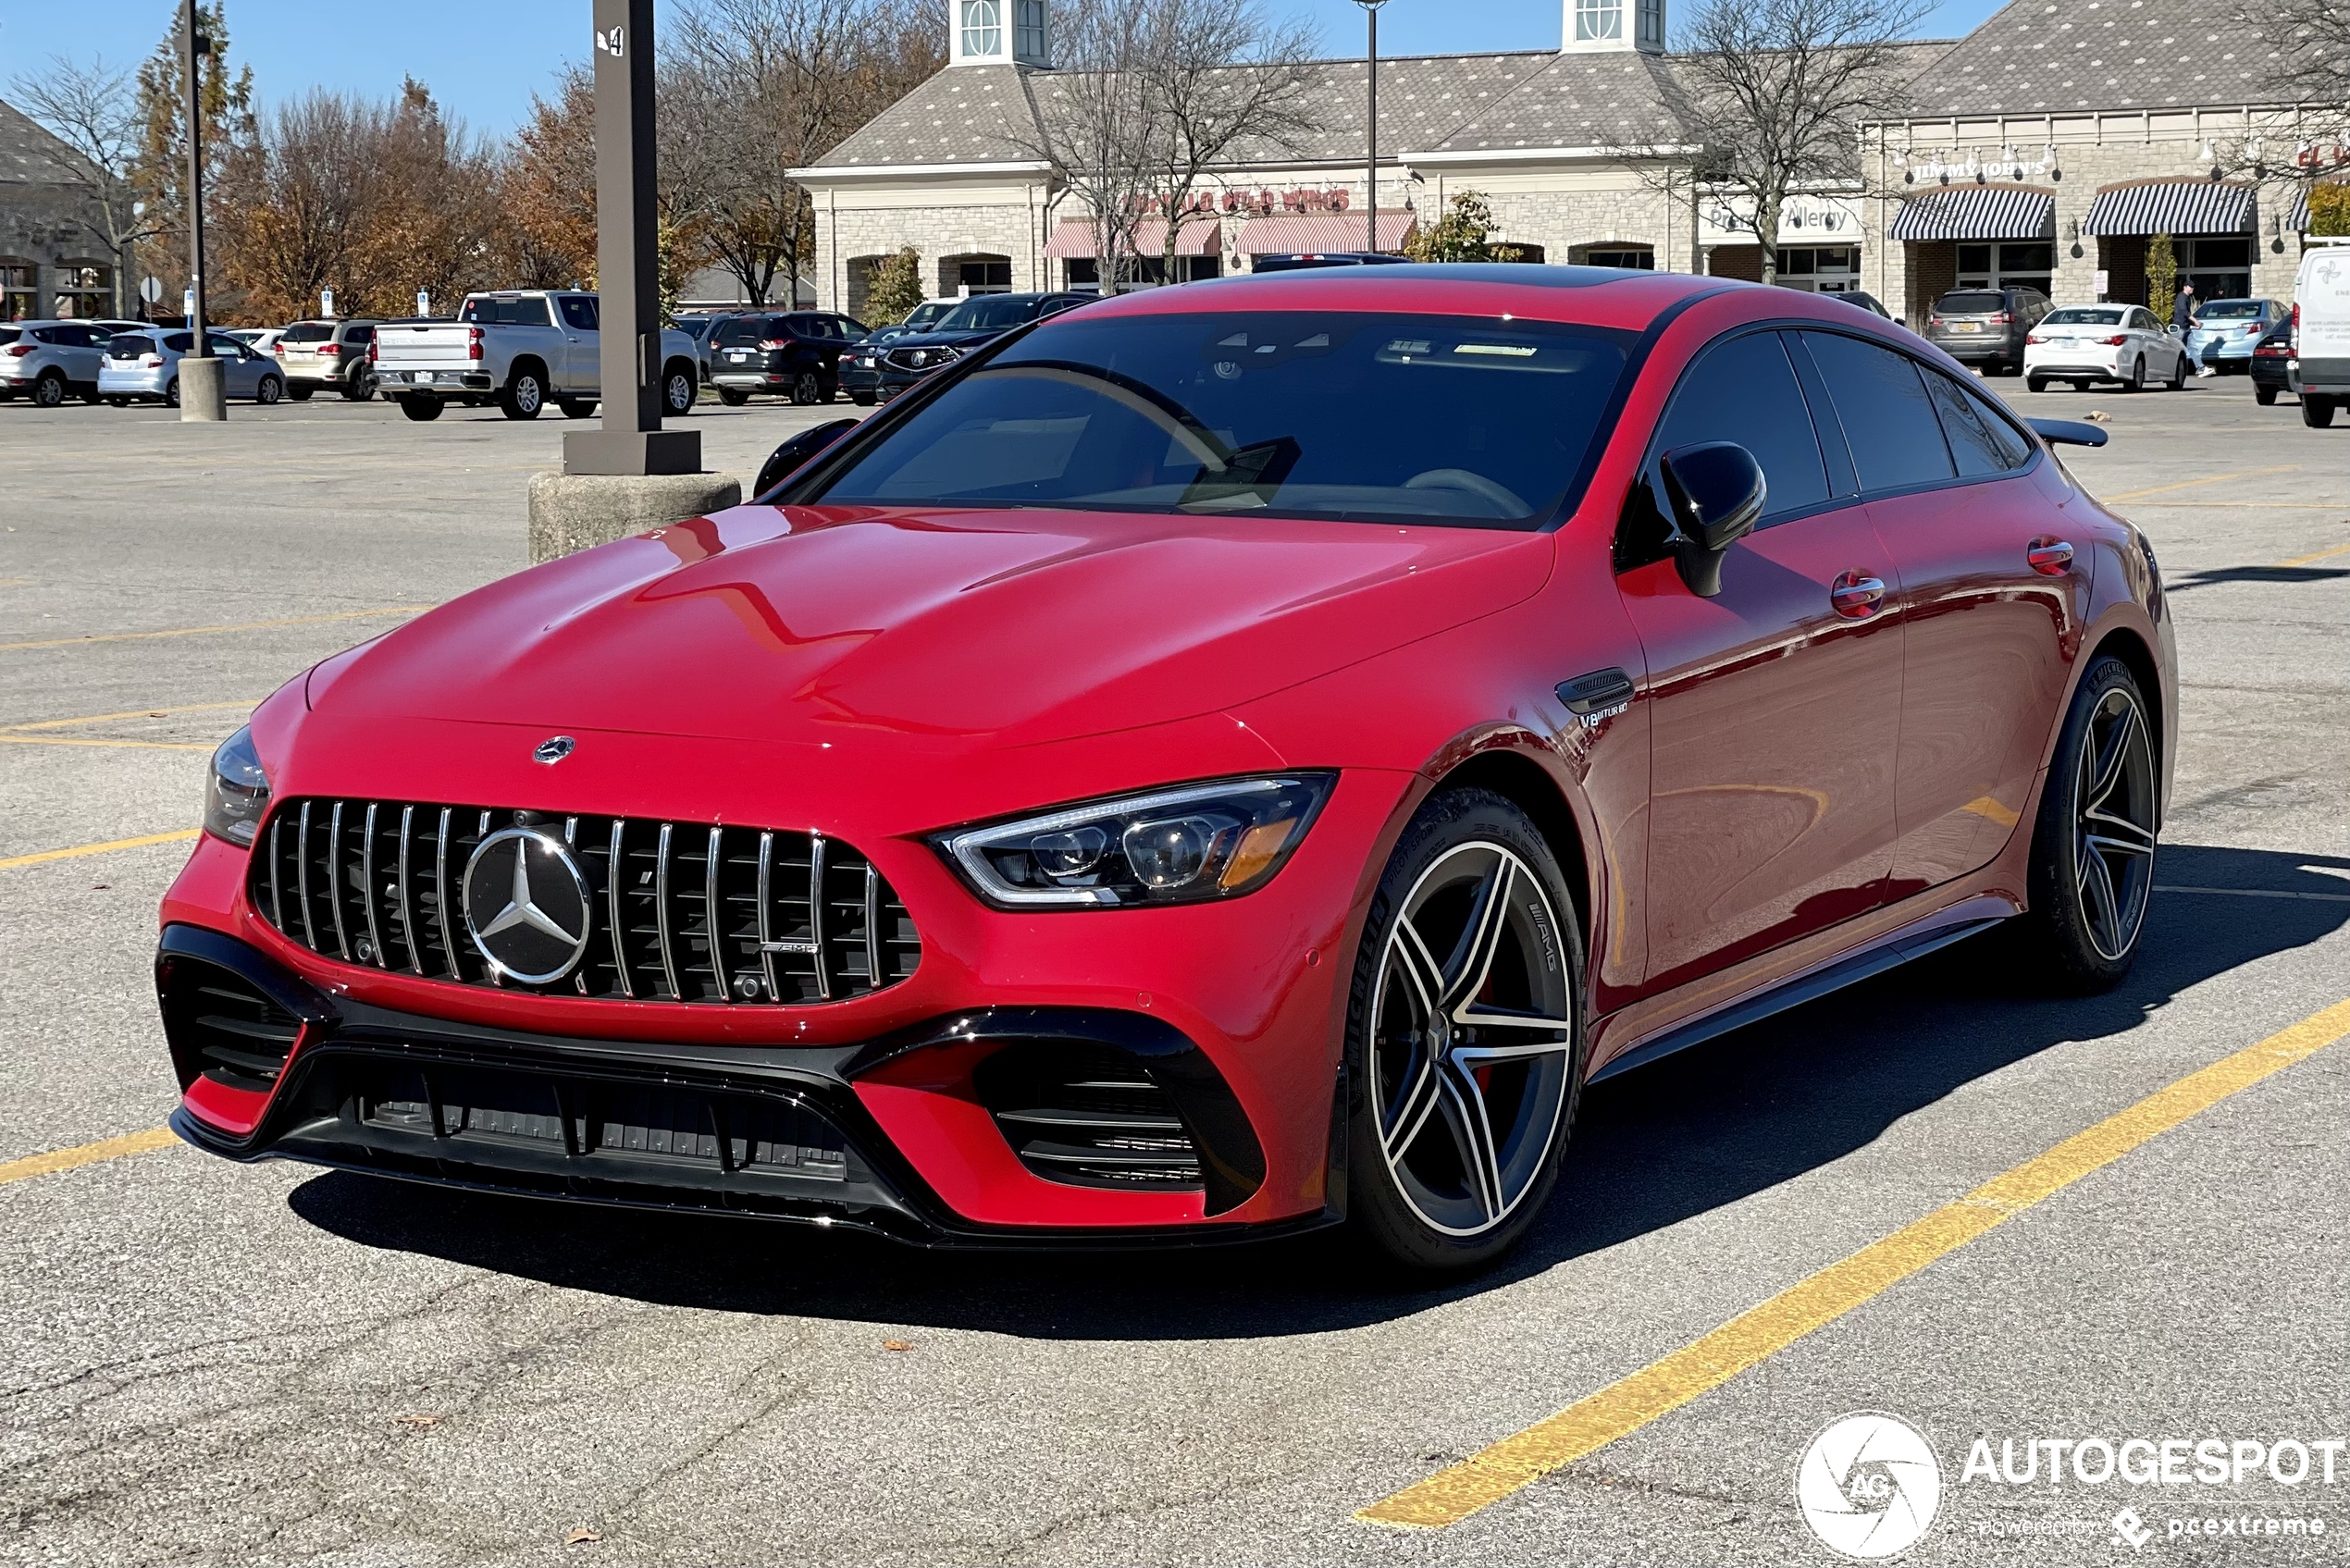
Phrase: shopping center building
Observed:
(2045, 148)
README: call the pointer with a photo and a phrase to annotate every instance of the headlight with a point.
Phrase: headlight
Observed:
(236, 792)
(1173, 847)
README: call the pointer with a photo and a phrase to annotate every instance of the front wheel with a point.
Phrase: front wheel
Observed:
(1463, 1042)
(808, 388)
(2092, 869)
(424, 411)
(2136, 380)
(269, 391)
(678, 389)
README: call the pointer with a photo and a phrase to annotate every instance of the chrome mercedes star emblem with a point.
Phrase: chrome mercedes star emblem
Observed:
(553, 749)
(526, 906)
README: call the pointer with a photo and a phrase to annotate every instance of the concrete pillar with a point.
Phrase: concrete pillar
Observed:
(203, 389)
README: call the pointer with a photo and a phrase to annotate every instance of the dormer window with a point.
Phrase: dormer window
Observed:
(1598, 20)
(982, 29)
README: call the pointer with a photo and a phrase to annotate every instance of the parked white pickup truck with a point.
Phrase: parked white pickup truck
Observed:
(522, 347)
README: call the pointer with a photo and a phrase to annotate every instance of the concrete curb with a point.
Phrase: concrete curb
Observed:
(570, 513)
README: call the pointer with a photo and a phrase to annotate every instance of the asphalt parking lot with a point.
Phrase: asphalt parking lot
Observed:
(201, 1362)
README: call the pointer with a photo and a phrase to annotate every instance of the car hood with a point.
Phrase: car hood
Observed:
(950, 628)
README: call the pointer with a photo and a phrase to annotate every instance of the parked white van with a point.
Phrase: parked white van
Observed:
(2320, 368)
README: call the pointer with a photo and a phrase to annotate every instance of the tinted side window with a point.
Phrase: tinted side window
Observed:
(179, 342)
(1888, 420)
(360, 335)
(1744, 390)
(1980, 440)
(579, 315)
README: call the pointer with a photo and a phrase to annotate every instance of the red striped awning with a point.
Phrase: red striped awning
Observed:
(1295, 234)
(1202, 236)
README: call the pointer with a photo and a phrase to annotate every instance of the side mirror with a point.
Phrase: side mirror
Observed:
(2067, 432)
(794, 454)
(1715, 491)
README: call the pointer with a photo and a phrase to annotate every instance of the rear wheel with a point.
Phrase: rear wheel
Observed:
(49, 392)
(299, 391)
(2092, 870)
(2178, 373)
(862, 399)
(2264, 396)
(1463, 1037)
(2317, 412)
(525, 395)
(171, 394)
(733, 396)
(2037, 383)
(807, 387)
(424, 411)
(119, 402)
(578, 408)
(360, 388)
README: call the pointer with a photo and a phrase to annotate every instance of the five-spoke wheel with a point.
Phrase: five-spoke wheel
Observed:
(1467, 1035)
(2092, 870)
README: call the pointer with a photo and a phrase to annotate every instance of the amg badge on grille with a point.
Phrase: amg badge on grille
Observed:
(527, 905)
(553, 749)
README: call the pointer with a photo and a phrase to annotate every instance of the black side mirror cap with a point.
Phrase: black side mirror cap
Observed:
(2068, 432)
(1715, 491)
(794, 454)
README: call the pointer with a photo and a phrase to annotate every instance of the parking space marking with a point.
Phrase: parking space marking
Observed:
(2257, 893)
(1624, 1407)
(78, 850)
(76, 740)
(86, 1153)
(135, 713)
(2191, 484)
(241, 627)
(2321, 555)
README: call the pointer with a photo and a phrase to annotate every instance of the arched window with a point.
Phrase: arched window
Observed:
(982, 28)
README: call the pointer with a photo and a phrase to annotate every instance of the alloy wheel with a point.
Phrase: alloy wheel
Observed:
(1472, 1039)
(806, 389)
(2113, 824)
(49, 392)
(681, 393)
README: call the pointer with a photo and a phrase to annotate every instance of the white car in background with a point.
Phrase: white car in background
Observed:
(2087, 343)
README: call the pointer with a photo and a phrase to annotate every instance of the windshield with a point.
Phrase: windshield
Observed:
(989, 313)
(2081, 316)
(2229, 310)
(1314, 414)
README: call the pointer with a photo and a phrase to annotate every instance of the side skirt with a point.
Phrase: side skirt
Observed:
(1891, 952)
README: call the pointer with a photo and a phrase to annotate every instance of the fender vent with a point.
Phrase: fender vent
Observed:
(1088, 1115)
(223, 1028)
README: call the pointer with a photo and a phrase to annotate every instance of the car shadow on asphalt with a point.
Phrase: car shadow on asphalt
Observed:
(1695, 1132)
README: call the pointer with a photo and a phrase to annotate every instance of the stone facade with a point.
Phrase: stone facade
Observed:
(53, 261)
(2091, 152)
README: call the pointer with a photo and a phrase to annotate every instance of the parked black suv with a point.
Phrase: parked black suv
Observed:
(1985, 327)
(793, 353)
(974, 324)
(2269, 357)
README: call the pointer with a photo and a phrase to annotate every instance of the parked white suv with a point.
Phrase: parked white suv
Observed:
(522, 347)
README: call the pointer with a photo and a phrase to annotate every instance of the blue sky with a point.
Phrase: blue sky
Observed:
(483, 59)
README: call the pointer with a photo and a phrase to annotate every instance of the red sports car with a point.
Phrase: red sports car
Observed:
(1228, 760)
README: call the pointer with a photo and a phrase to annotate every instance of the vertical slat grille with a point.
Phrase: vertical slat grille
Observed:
(679, 911)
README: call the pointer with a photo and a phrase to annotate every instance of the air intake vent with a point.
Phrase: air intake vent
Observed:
(677, 911)
(223, 1028)
(1089, 1115)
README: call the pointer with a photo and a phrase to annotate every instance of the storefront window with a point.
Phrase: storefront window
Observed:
(17, 301)
(2029, 263)
(1820, 269)
(83, 290)
(2219, 268)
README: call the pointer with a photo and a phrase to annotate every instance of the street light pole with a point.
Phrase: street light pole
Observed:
(203, 380)
(627, 261)
(1370, 220)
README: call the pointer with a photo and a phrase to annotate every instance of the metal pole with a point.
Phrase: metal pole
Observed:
(198, 348)
(627, 261)
(1370, 220)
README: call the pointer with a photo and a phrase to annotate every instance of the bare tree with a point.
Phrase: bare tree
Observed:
(94, 112)
(1772, 94)
(2306, 138)
(766, 86)
(1149, 100)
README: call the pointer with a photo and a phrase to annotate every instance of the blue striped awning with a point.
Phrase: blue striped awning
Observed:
(2185, 206)
(1978, 212)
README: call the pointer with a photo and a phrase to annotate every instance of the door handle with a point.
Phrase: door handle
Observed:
(2049, 556)
(1856, 595)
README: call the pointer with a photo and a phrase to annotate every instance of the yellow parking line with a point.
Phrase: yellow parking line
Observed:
(135, 713)
(80, 850)
(86, 1153)
(240, 626)
(1626, 1406)
(2191, 484)
(2321, 555)
(134, 745)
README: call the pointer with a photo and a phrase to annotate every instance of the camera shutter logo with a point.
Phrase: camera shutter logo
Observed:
(526, 906)
(1868, 1486)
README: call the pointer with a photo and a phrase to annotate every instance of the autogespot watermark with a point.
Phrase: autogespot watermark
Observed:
(1869, 1486)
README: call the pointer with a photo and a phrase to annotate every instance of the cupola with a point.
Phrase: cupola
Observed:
(1001, 33)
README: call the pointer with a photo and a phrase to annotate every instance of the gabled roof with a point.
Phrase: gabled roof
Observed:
(2051, 56)
(964, 115)
(31, 155)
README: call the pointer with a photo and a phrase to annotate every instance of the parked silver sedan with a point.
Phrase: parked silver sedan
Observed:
(144, 367)
(2224, 332)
